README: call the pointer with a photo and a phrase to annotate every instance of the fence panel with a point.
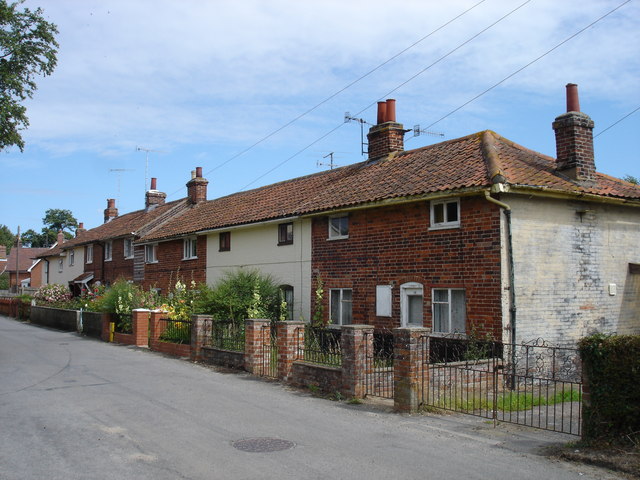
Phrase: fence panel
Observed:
(379, 364)
(175, 331)
(530, 384)
(227, 335)
(321, 345)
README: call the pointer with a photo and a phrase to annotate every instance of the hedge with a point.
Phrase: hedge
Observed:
(611, 369)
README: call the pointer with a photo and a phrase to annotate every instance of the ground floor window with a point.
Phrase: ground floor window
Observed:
(411, 304)
(340, 306)
(449, 310)
(287, 297)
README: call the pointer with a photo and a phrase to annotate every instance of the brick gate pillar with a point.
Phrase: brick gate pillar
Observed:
(155, 327)
(201, 330)
(253, 344)
(140, 325)
(290, 334)
(408, 368)
(355, 341)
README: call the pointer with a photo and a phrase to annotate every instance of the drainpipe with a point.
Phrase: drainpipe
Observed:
(512, 291)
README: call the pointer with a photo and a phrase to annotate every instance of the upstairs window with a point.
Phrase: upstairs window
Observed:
(128, 248)
(445, 214)
(285, 233)
(60, 265)
(72, 257)
(151, 253)
(89, 253)
(449, 310)
(107, 250)
(338, 227)
(189, 248)
(225, 241)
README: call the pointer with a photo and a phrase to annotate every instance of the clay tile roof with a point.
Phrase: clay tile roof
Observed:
(469, 162)
(26, 258)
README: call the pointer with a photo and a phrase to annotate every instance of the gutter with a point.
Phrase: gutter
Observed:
(512, 291)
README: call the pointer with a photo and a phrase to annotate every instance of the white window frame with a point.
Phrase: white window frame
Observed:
(151, 253)
(336, 233)
(108, 250)
(408, 290)
(128, 247)
(343, 305)
(449, 303)
(72, 257)
(189, 248)
(60, 265)
(446, 223)
(89, 250)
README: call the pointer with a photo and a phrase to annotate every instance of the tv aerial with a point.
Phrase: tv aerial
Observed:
(348, 119)
(118, 172)
(417, 131)
(330, 164)
(146, 164)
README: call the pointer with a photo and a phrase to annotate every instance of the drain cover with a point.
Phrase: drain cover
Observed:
(263, 444)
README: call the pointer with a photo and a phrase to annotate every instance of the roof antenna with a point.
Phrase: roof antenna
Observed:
(118, 172)
(348, 119)
(330, 164)
(146, 165)
(417, 131)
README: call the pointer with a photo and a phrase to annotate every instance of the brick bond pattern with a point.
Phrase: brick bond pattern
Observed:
(393, 246)
(171, 266)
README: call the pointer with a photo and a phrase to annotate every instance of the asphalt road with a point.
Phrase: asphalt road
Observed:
(75, 408)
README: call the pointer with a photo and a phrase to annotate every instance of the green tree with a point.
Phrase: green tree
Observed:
(33, 239)
(57, 219)
(28, 48)
(6, 237)
(631, 179)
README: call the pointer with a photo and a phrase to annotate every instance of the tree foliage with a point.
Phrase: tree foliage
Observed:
(28, 48)
(631, 179)
(54, 220)
(6, 237)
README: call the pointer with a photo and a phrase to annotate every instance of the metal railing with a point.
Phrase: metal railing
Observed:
(321, 345)
(379, 364)
(227, 335)
(176, 331)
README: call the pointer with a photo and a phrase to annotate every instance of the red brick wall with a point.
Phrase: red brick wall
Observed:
(118, 267)
(96, 265)
(393, 245)
(171, 267)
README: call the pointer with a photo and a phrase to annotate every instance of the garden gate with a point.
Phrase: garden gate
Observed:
(379, 364)
(269, 365)
(530, 384)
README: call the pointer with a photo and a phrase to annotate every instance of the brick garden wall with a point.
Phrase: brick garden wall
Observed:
(393, 246)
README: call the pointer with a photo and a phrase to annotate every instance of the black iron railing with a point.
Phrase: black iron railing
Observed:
(321, 345)
(175, 331)
(228, 335)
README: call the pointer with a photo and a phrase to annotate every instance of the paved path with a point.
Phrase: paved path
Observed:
(75, 408)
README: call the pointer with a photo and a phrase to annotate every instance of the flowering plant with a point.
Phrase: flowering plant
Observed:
(52, 294)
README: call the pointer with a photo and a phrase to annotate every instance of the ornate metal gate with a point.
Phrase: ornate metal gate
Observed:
(530, 384)
(269, 365)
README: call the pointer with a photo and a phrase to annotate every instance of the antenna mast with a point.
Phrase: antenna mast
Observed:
(118, 172)
(146, 165)
(330, 164)
(348, 119)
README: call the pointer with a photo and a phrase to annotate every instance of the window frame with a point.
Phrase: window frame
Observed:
(288, 291)
(60, 265)
(128, 241)
(341, 305)
(410, 289)
(224, 239)
(153, 248)
(339, 235)
(89, 253)
(190, 248)
(108, 251)
(71, 257)
(285, 237)
(448, 302)
(446, 223)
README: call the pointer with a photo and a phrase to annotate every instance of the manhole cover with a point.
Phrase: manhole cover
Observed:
(263, 444)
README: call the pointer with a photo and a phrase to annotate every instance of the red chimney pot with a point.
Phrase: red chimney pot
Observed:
(382, 112)
(154, 183)
(573, 102)
(391, 110)
(199, 172)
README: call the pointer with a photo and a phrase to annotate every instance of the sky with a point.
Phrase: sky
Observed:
(255, 92)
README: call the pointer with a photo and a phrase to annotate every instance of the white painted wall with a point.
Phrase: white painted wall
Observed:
(257, 247)
(564, 265)
(68, 272)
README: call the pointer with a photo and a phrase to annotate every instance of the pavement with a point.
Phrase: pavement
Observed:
(77, 408)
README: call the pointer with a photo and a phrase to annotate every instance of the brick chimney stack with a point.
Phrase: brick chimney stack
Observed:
(154, 198)
(197, 187)
(3, 254)
(80, 229)
(388, 135)
(574, 140)
(111, 211)
(60, 238)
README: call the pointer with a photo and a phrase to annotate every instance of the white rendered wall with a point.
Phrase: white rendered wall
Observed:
(68, 272)
(565, 263)
(257, 247)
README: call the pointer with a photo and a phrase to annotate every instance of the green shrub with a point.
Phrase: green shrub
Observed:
(241, 294)
(612, 369)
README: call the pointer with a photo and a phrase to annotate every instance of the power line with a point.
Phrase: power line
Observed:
(617, 122)
(529, 64)
(349, 85)
(393, 90)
